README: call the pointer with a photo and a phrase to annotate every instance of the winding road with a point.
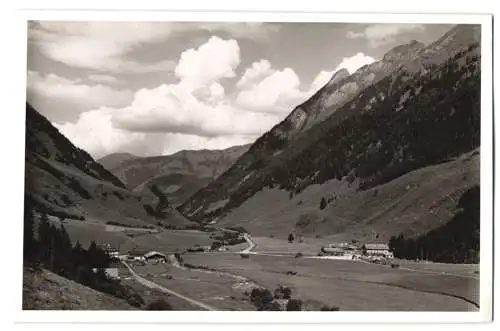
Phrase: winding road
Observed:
(153, 285)
(251, 244)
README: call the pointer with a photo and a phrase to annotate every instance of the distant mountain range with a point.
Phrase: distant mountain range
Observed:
(396, 131)
(178, 175)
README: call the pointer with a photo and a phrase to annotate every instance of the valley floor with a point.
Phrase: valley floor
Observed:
(220, 279)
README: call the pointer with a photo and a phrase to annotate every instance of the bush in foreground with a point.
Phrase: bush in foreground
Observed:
(294, 305)
(159, 304)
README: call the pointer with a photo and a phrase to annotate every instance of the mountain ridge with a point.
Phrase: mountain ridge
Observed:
(396, 98)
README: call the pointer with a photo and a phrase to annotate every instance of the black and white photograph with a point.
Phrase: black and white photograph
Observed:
(304, 166)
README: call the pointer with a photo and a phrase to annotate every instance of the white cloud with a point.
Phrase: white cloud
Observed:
(172, 108)
(257, 72)
(103, 78)
(251, 30)
(277, 93)
(100, 45)
(103, 46)
(94, 132)
(383, 34)
(321, 79)
(215, 59)
(65, 95)
(353, 63)
(195, 112)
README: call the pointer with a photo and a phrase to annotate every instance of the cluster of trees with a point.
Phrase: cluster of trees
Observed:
(51, 248)
(264, 300)
(457, 241)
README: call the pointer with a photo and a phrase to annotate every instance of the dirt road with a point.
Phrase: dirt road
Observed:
(153, 285)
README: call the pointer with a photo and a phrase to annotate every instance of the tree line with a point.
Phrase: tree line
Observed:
(48, 246)
(457, 241)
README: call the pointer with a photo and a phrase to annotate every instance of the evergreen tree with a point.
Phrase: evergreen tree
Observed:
(322, 204)
(29, 241)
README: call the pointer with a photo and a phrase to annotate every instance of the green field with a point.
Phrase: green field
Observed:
(346, 284)
(351, 285)
(126, 239)
(215, 289)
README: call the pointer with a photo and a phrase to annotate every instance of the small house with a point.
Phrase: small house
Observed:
(333, 251)
(378, 249)
(155, 256)
(137, 255)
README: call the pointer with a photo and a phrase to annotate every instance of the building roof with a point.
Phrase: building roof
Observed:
(153, 253)
(340, 245)
(138, 253)
(333, 249)
(377, 246)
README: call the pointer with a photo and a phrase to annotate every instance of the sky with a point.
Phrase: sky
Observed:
(154, 88)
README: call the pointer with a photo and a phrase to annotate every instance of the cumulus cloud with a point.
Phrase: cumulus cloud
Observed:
(353, 63)
(190, 113)
(266, 89)
(104, 46)
(277, 92)
(383, 34)
(194, 112)
(213, 60)
(173, 108)
(69, 97)
(257, 72)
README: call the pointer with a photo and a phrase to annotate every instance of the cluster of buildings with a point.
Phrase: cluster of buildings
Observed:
(353, 250)
(131, 256)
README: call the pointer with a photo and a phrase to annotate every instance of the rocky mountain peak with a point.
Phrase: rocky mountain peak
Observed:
(402, 52)
(338, 76)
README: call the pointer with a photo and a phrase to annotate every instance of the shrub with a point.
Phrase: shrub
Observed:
(322, 204)
(159, 304)
(135, 300)
(283, 292)
(294, 305)
(261, 298)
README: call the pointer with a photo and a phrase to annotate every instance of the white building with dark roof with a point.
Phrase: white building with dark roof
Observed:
(378, 249)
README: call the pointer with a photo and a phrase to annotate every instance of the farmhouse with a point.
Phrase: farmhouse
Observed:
(137, 255)
(341, 249)
(378, 249)
(155, 256)
(333, 251)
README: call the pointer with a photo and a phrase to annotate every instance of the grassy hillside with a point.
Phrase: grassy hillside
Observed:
(67, 182)
(44, 290)
(414, 203)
